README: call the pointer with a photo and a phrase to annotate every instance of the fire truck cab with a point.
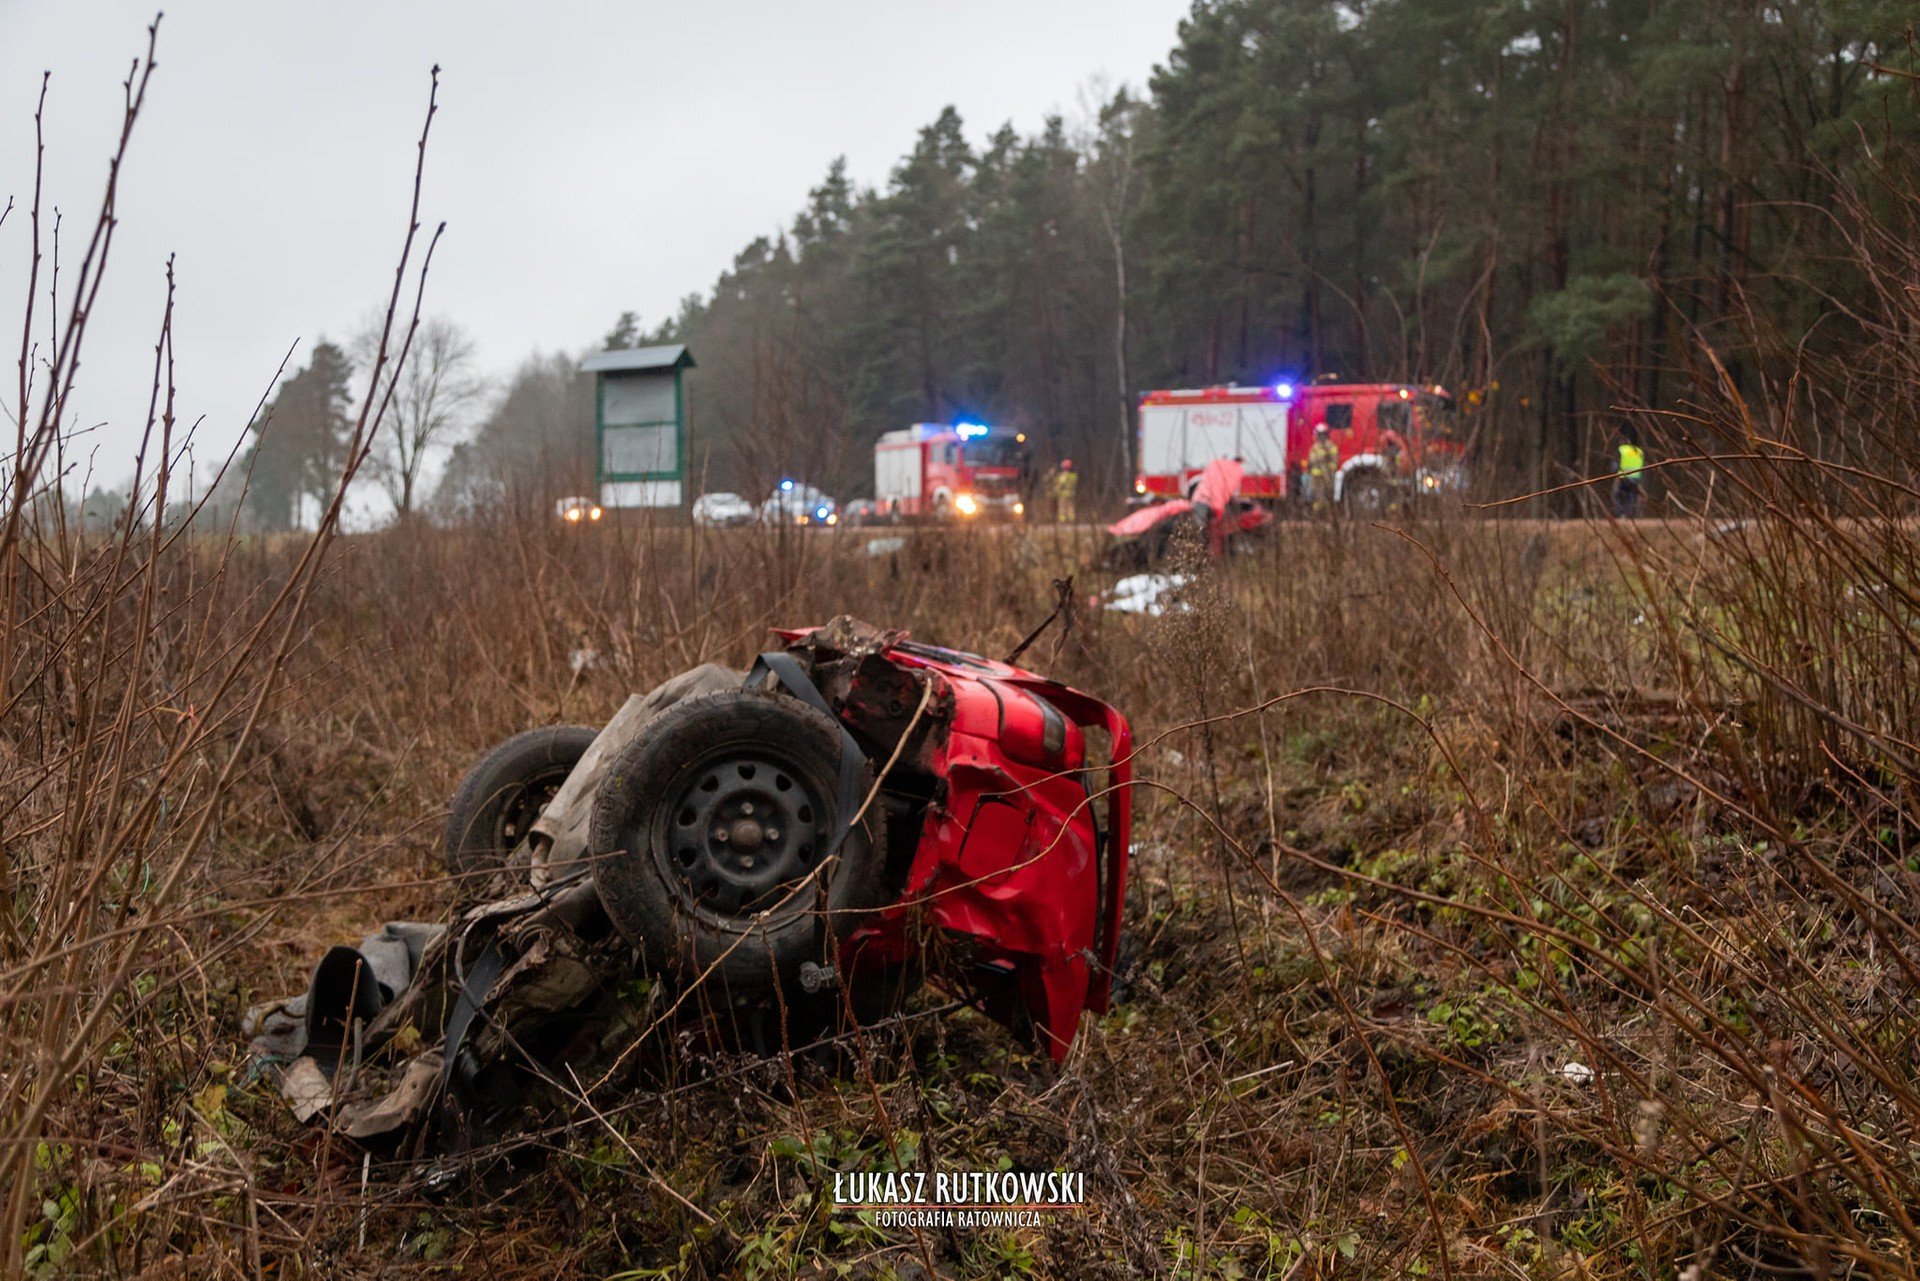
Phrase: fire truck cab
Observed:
(963, 471)
(1392, 437)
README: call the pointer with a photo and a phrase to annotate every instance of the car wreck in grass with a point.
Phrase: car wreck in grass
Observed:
(765, 860)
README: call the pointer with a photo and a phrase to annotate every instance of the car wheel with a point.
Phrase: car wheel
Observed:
(711, 833)
(500, 798)
(1364, 496)
(1125, 555)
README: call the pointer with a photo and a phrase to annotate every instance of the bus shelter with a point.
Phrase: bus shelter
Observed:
(640, 425)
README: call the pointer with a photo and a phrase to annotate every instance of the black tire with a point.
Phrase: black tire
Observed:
(690, 864)
(1160, 539)
(1365, 496)
(1126, 555)
(502, 795)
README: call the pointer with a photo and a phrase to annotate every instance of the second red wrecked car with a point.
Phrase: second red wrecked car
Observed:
(1143, 537)
(790, 849)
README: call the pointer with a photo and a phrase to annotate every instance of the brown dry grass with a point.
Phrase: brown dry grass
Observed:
(1428, 812)
(1370, 926)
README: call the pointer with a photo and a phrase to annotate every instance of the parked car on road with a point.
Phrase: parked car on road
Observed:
(864, 511)
(722, 509)
(578, 510)
(794, 503)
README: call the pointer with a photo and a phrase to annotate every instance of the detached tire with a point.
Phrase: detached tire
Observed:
(1365, 496)
(500, 797)
(709, 833)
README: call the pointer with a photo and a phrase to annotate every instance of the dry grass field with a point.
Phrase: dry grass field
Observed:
(1429, 812)
(1509, 899)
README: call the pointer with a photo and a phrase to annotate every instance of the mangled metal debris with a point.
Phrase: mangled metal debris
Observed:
(758, 859)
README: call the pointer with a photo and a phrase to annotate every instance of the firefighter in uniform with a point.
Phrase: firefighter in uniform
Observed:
(1626, 485)
(1065, 482)
(1323, 460)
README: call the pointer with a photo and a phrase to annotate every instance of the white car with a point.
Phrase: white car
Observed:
(578, 511)
(722, 509)
(792, 503)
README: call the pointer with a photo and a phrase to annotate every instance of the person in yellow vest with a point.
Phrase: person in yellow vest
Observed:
(1066, 482)
(1323, 461)
(1626, 481)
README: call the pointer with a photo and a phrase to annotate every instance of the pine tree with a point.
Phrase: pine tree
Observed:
(301, 441)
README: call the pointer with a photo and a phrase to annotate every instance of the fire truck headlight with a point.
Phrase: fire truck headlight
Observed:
(1019, 509)
(1429, 483)
(966, 505)
(573, 515)
(833, 518)
(1139, 486)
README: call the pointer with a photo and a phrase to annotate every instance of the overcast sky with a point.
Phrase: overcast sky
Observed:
(590, 156)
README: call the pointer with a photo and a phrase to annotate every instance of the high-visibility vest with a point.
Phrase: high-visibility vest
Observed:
(1631, 461)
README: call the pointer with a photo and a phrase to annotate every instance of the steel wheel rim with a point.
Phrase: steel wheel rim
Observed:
(744, 826)
(523, 805)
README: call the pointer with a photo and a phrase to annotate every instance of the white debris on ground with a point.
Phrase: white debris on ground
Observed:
(1150, 594)
(1577, 1073)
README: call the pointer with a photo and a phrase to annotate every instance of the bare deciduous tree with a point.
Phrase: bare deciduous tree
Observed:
(436, 392)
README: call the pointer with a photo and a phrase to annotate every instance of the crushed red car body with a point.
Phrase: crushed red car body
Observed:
(780, 856)
(1011, 860)
(1144, 535)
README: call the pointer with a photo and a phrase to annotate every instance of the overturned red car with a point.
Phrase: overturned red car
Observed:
(856, 811)
(1143, 537)
(779, 857)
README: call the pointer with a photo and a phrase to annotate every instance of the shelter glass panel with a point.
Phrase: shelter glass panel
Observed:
(643, 399)
(631, 450)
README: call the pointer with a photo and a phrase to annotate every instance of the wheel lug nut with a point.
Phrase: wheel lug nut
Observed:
(746, 807)
(720, 834)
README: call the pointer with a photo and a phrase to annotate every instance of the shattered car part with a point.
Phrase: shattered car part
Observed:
(1149, 594)
(792, 849)
(1144, 537)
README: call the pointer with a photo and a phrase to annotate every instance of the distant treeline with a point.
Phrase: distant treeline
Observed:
(1542, 205)
(1545, 206)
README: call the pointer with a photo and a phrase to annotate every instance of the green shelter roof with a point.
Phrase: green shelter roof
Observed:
(639, 359)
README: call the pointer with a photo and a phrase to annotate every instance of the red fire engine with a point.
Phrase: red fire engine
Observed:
(967, 471)
(1391, 437)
